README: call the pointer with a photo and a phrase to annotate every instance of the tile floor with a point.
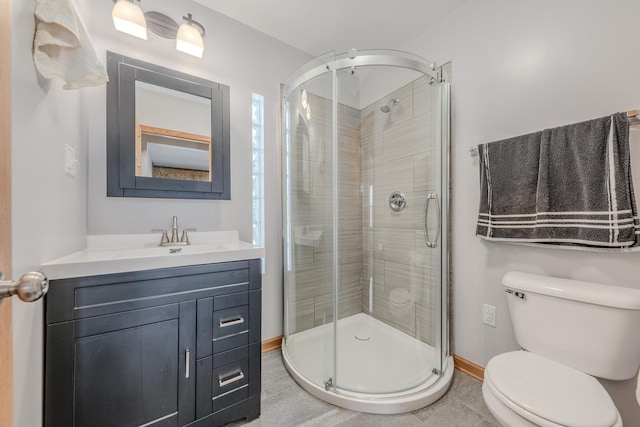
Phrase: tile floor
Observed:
(285, 404)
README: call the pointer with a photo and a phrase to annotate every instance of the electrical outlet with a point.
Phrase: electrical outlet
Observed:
(489, 315)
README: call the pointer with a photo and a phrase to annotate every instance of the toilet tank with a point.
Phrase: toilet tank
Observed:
(592, 327)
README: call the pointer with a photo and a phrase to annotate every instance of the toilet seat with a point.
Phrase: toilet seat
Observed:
(547, 393)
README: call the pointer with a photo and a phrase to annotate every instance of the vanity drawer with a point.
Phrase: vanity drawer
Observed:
(230, 377)
(79, 298)
(224, 379)
(223, 344)
(224, 322)
(230, 321)
(232, 300)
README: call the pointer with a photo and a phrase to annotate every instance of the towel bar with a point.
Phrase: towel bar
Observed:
(632, 116)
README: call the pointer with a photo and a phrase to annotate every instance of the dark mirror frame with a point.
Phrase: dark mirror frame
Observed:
(121, 107)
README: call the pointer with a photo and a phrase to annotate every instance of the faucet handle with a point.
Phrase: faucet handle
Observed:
(165, 238)
(185, 236)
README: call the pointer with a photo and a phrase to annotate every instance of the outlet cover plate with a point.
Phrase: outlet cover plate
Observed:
(489, 315)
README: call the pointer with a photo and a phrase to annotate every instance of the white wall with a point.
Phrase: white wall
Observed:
(519, 67)
(49, 210)
(237, 56)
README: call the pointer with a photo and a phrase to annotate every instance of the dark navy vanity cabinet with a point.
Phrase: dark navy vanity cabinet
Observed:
(171, 347)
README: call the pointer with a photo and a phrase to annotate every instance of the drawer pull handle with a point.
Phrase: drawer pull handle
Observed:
(231, 322)
(186, 367)
(236, 377)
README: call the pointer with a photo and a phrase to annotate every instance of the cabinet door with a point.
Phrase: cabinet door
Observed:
(127, 377)
(125, 369)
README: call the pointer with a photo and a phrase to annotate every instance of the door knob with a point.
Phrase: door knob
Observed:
(29, 287)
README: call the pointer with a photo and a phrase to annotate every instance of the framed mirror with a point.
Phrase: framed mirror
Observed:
(167, 133)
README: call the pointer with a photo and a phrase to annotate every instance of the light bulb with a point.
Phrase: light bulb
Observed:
(128, 18)
(189, 40)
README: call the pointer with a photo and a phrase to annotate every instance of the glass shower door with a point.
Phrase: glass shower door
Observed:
(393, 173)
(309, 229)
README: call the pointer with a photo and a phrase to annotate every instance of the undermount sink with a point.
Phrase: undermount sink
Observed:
(174, 250)
(108, 254)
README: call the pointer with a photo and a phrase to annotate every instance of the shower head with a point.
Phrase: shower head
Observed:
(387, 107)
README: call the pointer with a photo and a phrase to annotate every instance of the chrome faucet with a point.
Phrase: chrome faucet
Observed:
(174, 230)
(184, 240)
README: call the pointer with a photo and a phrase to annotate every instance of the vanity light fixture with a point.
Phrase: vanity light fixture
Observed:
(189, 37)
(128, 18)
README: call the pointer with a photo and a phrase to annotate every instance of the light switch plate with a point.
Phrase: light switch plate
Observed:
(70, 160)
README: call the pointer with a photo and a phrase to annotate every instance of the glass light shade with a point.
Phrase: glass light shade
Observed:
(128, 18)
(189, 40)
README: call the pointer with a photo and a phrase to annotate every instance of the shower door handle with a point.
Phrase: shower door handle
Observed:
(430, 197)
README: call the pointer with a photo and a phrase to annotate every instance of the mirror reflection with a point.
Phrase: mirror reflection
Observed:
(173, 134)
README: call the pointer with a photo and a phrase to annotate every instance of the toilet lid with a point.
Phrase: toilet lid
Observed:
(550, 390)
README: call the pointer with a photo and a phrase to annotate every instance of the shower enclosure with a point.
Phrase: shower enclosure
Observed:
(365, 214)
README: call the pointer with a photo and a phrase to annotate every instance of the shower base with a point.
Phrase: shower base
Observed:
(380, 370)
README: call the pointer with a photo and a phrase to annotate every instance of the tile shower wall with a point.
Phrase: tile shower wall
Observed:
(310, 290)
(398, 153)
(379, 250)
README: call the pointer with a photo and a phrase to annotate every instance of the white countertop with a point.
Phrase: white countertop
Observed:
(108, 254)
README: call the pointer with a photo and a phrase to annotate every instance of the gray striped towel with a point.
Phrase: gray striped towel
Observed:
(568, 186)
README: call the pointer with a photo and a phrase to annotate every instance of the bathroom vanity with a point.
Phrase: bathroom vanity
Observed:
(154, 346)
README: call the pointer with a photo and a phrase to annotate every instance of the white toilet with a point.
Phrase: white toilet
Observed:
(570, 332)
